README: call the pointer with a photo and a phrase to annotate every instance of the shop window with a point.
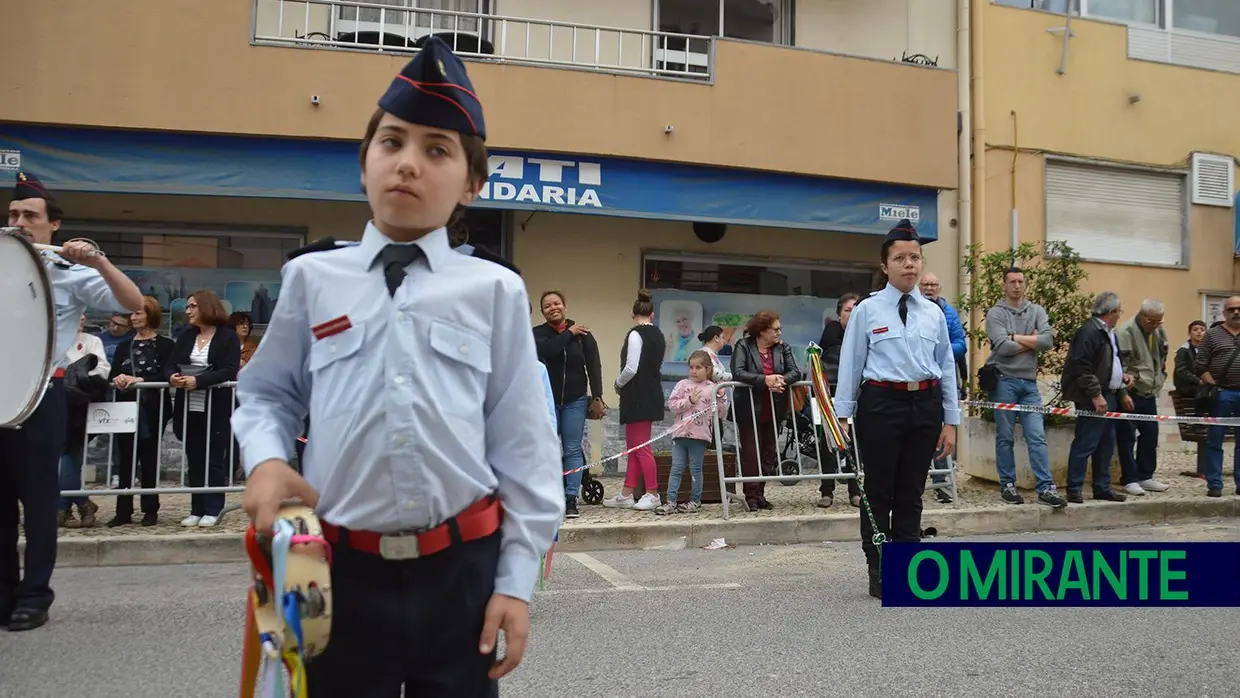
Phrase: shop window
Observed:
(768, 21)
(170, 262)
(691, 293)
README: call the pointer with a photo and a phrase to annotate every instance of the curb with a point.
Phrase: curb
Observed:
(774, 530)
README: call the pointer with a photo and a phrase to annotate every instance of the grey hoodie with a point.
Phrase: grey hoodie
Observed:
(1008, 356)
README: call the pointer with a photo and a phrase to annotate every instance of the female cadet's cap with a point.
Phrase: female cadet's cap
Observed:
(29, 187)
(434, 90)
(904, 230)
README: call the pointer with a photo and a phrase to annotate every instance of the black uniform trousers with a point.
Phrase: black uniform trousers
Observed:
(897, 432)
(412, 622)
(30, 474)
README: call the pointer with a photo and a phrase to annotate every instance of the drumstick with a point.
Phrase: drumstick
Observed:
(57, 249)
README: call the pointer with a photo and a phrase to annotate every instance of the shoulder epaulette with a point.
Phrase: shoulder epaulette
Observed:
(321, 245)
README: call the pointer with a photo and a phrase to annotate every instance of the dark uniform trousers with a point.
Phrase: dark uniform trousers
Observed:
(897, 432)
(412, 622)
(30, 474)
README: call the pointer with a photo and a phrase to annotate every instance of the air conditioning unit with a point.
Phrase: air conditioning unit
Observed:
(1214, 180)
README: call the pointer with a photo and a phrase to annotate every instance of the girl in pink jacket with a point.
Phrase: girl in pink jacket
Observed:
(692, 400)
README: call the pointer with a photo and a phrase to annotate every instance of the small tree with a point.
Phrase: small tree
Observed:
(1053, 277)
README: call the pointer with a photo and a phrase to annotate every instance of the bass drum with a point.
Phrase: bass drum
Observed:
(26, 303)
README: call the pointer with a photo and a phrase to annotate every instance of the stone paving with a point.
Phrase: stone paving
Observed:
(797, 500)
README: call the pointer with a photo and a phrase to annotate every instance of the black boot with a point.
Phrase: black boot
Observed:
(876, 583)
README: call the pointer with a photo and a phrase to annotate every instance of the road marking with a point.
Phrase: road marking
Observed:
(617, 590)
(609, 574)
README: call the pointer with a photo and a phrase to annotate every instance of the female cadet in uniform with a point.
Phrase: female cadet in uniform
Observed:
(417, 367)
(897, 380)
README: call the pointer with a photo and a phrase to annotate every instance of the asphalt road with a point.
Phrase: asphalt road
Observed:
(787, 620)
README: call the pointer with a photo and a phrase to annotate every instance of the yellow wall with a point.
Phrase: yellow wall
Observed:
(1210, 245)
(1086, 110)
(858, 118)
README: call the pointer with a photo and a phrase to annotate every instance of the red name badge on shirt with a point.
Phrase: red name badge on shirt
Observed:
(323, 330)
(879, 330)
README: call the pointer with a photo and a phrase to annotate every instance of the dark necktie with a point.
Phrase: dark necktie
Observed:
(904, 309)
(395, 258)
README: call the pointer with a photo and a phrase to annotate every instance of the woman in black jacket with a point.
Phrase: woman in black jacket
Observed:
(569, 352)
(140, 359)
(206, 354)
(763, 361)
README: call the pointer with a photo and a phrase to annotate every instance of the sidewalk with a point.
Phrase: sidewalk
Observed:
(795, 519)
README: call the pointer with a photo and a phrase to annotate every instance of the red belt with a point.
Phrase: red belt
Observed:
(480, 520)
(911, 387)
(59, 373)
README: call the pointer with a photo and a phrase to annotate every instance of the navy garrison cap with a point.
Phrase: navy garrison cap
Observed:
(29, 187)
(434, 90)
(905, 231)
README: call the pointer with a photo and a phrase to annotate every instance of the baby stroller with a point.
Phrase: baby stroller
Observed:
(801, 434)
(591, 488)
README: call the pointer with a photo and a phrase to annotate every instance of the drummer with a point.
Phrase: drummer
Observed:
(432, 463)
(29, 457)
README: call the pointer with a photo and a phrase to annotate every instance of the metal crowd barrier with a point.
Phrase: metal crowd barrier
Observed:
(122, 418)
(800, 434)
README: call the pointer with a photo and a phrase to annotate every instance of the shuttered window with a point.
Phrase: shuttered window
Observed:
(1111, 214)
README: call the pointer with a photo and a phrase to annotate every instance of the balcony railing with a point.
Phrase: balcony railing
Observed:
(390, 28)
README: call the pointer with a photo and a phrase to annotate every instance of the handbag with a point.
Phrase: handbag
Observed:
(988, 377)
(597, 409)
(1207, 393)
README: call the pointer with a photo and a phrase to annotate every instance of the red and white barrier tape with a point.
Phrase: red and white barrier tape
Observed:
(1126, 416)
(662, 435)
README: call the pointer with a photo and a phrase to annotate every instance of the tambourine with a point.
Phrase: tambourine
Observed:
(290, 604)
(26, 301)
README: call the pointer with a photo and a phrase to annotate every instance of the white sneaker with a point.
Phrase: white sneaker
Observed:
(648, 502)
(619, 501)
(208, 521)
(1134, 489)
(1153, 485)
(190, 521)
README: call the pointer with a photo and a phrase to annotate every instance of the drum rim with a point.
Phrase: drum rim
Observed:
(46, 376)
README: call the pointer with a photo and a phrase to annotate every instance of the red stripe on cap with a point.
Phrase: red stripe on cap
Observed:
(418, 86)
(448, 84)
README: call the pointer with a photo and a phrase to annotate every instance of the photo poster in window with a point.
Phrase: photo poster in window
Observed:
(252, 291)
(682, 315)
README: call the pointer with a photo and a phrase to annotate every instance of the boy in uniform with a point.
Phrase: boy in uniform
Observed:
(433, 464)
(897, 379)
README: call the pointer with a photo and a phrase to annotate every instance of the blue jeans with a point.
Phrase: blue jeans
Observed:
(1142, 435)
(71, 478)
(1021, 391)
(1094, 437)
(571, 422)
(1228, 406)
(684, 451)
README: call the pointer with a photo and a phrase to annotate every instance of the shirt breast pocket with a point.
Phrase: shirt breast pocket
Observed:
(333, 364)
(878, 339)
(462, 368)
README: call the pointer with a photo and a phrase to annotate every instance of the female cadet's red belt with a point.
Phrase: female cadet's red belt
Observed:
(480, 520)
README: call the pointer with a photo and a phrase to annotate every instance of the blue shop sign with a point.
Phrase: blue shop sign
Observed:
(149, 162)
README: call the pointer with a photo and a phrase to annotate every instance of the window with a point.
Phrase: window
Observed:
(687, 273)
(409, 25)
(1112, 214)
(767, 21)
(1207, 16)
(170, 261)
(1056, 6)
(1132, 11)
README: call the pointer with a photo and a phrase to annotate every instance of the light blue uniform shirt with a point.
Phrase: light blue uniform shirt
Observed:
(74, 289)
(546, 381)
(877, 346)
(420, 404)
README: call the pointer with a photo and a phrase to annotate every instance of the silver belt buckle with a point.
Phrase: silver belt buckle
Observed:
(399, 547)
(914, 386)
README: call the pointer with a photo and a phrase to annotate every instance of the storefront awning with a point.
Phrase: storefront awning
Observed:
(149, 162)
